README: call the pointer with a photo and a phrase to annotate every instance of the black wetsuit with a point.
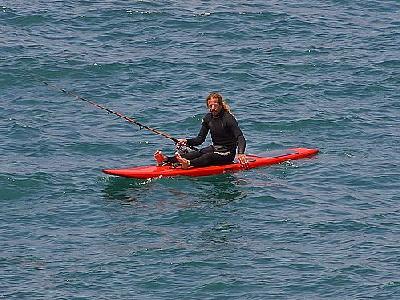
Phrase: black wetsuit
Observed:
(226, 137)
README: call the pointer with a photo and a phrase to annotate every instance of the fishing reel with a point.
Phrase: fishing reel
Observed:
(181, 149)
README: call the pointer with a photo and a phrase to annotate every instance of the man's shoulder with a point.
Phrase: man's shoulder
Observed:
(229, 116)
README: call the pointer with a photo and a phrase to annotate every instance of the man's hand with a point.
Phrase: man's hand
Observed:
(182, 143)
(243, 160)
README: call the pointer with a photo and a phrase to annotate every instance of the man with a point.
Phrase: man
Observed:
(225, 134)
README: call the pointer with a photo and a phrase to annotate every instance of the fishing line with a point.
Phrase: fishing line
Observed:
(119, 115)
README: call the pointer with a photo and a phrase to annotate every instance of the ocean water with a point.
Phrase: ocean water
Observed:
(296, 74)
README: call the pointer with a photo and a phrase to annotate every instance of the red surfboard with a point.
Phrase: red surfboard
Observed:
(275, 157)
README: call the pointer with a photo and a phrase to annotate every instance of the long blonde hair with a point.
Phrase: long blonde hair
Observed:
(221, 101)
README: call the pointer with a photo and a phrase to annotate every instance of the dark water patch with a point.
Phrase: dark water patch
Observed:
(391, 64)
(17, 186)
(344, 226)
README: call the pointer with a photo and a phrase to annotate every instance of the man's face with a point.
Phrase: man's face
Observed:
(214, 106)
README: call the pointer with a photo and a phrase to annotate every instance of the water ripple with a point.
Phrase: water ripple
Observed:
(296, 74)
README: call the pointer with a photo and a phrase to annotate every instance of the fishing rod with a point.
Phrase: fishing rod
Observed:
(119, 115)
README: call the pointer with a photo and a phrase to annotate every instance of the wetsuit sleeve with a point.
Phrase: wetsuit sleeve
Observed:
(241, 141)
(201, 137)
(241, 144)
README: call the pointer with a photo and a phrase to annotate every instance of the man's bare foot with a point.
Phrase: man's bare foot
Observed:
(183, 161)
(160, 158)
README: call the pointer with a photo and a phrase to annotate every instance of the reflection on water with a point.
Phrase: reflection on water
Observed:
(168, 207)
(220, 190)
(124, 189)
(211, 190)
(224, 233)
